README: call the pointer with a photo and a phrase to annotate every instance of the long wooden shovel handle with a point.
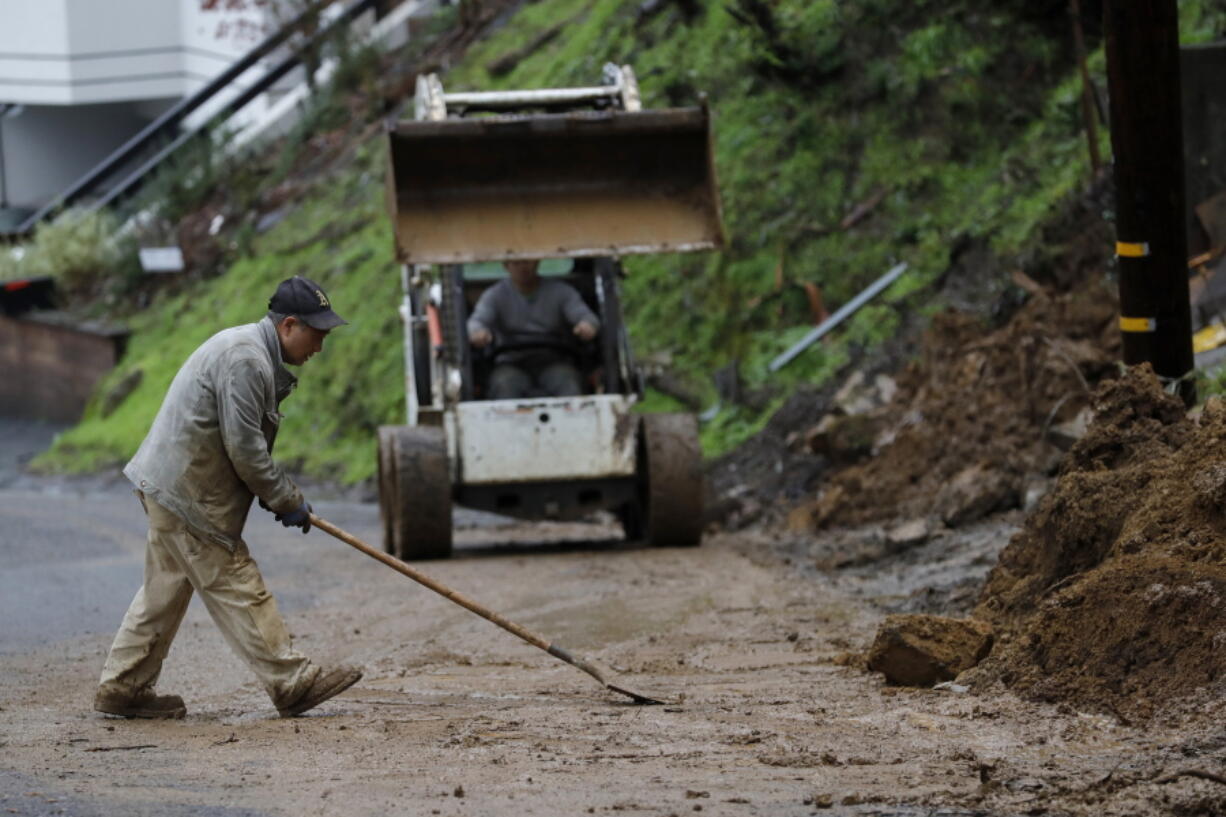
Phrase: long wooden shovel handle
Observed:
(459, 598)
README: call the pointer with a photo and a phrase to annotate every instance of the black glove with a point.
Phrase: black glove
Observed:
(300, 517)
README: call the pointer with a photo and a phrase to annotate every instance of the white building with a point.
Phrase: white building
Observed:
(80, 77)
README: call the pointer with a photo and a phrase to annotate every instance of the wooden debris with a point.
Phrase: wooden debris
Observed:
(1025, 282)
(862, 210)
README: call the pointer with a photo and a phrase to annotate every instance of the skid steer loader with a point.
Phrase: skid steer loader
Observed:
(576, 178)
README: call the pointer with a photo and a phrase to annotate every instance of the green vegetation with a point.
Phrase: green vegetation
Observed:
(955, 124)
(345, 392)
(961, 124)
(83, 251)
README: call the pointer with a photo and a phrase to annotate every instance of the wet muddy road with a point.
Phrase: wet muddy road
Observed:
(454, 717)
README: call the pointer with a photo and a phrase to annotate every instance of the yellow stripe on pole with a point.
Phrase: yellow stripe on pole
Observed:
(1132, 249)
(1138, 324)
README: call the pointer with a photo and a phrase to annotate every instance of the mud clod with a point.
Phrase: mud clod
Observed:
(922, 650)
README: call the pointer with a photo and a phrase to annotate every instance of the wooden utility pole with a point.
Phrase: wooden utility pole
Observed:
(1142, 41)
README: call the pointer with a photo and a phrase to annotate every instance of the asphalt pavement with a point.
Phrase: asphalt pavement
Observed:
(20, 441)
(72, 549)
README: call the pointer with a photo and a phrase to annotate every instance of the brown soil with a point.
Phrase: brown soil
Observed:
(1056, 310)
(978, 399)
(1111, 596)
(455, 716)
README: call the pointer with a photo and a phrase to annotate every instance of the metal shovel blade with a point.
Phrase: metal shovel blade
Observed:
(639, 699)
(581, 663)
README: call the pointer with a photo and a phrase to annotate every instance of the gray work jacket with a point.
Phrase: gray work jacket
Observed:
(209, 449)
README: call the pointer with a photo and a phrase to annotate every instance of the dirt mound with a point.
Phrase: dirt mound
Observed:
(1106, 485)
(1137, 633)
(1113, 595)
(968, 423)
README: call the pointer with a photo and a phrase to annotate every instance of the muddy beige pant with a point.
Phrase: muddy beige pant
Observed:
(232, 589)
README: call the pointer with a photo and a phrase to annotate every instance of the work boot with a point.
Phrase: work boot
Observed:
(143, 705)
(326, 685)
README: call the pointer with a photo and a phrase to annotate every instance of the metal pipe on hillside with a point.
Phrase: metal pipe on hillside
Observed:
(838, 317)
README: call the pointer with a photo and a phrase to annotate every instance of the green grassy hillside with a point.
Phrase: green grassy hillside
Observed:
(344, 392)
(959, 125)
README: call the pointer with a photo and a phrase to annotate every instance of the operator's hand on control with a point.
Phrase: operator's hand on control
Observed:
(585, 331)
(480, 338)
(300, 517)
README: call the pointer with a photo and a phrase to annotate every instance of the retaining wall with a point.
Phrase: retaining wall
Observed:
(50, 365)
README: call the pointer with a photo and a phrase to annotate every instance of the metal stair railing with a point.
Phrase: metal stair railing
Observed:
(167, 124)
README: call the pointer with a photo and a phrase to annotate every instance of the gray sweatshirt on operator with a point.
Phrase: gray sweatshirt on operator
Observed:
(553, 309)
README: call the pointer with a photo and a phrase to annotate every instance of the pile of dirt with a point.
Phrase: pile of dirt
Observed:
(970, 422)
(1113, 595)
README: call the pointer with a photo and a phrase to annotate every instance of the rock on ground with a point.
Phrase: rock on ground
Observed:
(923, 650)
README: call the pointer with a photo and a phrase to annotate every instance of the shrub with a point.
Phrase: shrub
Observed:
(84, 251)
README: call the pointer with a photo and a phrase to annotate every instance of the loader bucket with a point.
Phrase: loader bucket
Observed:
(553, 185)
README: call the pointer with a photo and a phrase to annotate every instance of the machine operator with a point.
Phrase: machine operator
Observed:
(537, 315)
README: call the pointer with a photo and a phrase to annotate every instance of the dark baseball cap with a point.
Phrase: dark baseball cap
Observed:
(305, 299)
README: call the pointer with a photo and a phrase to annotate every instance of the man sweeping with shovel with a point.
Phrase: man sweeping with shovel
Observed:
(207, 455)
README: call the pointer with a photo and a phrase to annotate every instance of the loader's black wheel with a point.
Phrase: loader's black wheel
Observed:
(417, 504)
(670, 480)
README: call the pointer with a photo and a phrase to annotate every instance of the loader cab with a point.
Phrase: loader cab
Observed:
(604, 363)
